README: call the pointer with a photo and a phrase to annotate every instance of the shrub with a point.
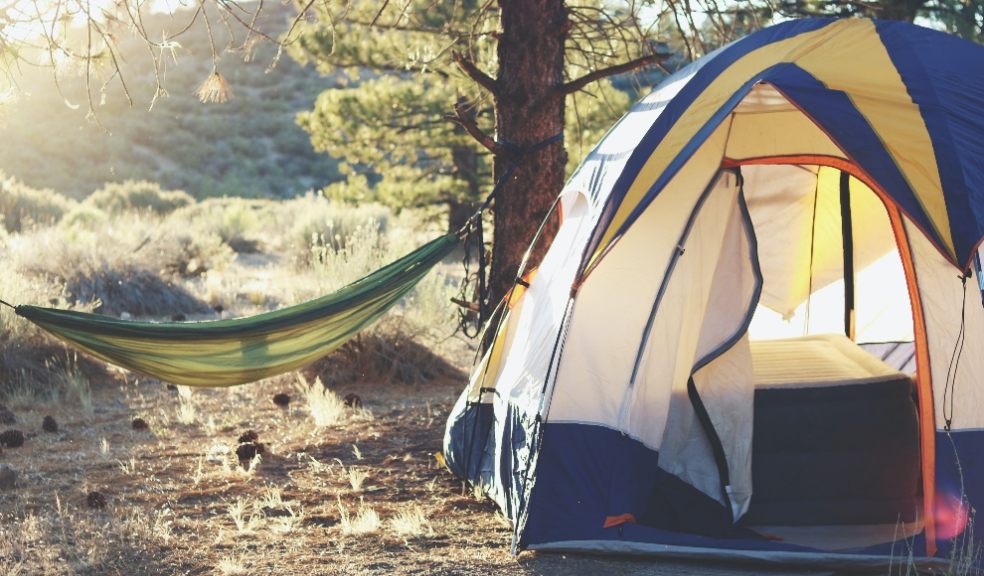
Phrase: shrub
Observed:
(23, 206)
(33, 364)
(135, 291)
(186, 253)
(314, 221)
(138, 196)
(106, 271)
(237, 222)
(84, 216)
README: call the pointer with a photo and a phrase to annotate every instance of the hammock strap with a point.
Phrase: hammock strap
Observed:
(518, 155)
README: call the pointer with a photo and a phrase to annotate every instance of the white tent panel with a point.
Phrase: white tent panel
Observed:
(612, 306)
(671, 347)
(726, 384)
(597, 174)
(782, 201)
(884, 313)
(534, 325)
(941, 293)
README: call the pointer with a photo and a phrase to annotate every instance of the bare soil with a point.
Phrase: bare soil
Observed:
(177, 501)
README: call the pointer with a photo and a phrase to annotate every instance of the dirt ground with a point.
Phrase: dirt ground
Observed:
(361, 496)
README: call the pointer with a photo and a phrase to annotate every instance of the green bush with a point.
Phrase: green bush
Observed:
(23, 207)
(237, 222)
(315, 223)
(139, 195)
(84, 216)
(187, 253)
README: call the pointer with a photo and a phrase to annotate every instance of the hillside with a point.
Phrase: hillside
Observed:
(249, 146)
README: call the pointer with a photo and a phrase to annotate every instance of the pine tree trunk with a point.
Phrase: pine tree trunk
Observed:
(529, 109)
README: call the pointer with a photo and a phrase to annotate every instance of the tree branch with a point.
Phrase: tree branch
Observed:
(579, 83)
(472, 71)
(462, 118)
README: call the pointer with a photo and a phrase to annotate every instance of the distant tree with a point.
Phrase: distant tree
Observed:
(961, 17)
(722, 22)
(506, 73)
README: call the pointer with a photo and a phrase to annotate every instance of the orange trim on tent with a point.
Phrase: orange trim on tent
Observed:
(927, 417)
(612, 521)
(519, 288)
(924, 377)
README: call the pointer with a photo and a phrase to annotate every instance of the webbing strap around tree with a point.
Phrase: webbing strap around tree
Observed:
(231, 352)
(520, 154)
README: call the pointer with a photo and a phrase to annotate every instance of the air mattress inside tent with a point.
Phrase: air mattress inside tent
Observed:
(835, 438)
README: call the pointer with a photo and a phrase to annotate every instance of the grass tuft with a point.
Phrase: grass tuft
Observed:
(325, 407)
(366, 521)
(411, 523)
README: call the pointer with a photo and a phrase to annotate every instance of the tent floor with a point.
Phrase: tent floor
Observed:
(837, 538)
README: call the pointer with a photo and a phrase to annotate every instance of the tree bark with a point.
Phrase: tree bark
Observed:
(529, 109)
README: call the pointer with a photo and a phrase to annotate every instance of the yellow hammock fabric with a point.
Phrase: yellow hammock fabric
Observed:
(231, 352)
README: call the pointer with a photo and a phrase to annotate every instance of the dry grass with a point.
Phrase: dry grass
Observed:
(411, 523)
(365, 521)
(324, 406)
(178, 502)
(356, 478)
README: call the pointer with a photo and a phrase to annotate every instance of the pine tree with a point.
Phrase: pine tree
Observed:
(511, 68)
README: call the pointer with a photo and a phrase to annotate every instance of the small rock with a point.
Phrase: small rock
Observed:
(11, 438)
(6, 416)
(8, 477)
(178, 317)
(282, 399)
(352, 400)
(140, 424)
(49, 424)
(95, 500)
(172, 387)
(248, 436)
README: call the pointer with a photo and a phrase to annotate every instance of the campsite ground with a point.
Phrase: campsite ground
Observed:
(362, 495)
(337, 490)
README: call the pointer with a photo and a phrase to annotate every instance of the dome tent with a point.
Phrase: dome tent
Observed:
(633, 400)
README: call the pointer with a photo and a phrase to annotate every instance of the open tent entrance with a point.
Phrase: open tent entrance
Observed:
(783, 318)
(835, 455)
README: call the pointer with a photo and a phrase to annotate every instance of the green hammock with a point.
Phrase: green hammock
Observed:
(230, 352)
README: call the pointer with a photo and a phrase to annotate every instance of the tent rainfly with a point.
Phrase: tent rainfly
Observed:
(757, 333)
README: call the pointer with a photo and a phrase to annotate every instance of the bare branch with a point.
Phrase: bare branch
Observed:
(472, 71)
(641, 62)
(462, 118)
(380, 13)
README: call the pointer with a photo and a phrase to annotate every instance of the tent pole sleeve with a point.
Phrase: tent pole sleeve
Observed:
(847, 231)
